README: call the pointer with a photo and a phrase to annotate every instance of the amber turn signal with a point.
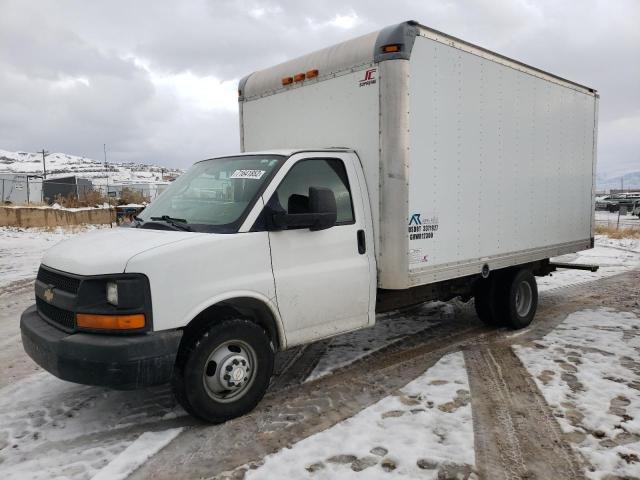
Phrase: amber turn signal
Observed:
(391, 48)
(110, 322)
(287, 81)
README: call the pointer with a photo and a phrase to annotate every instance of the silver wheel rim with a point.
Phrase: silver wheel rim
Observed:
(229, 371)
(524, 298)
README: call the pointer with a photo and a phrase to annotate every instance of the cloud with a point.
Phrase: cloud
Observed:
(345, 22)
(157, 81)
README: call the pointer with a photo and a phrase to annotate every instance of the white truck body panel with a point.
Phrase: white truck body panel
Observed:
(470, 158)
(188, 277)
(314, 123)
(103, 252)
(323, 286)
(502, 163)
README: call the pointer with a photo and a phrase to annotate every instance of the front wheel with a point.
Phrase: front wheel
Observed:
(225, 372)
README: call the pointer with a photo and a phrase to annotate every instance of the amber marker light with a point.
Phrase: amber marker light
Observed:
(298, 77)
(391, 48)
(110, 322)
(312, 73)
(287, 81)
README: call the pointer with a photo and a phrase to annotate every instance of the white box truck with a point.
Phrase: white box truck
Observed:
(398, 167)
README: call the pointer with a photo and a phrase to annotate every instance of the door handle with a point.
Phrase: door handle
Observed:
(362, 242)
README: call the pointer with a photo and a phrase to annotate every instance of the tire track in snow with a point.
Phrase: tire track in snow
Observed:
(516, 434)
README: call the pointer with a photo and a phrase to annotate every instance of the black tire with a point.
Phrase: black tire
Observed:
(194, 365)
(516, 298)
(484, 301)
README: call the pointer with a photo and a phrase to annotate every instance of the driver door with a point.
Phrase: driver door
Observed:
(323, 277)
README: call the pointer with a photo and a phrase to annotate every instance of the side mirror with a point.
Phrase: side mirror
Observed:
(322, 212)
(322, 204)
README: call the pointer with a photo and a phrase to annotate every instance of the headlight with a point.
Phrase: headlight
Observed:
(112, 293)
(114, 302)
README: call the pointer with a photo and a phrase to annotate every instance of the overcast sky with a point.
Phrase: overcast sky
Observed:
(157, 80)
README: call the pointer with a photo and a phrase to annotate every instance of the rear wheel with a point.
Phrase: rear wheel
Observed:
(484, 301)
(225, 372)
(517, 298)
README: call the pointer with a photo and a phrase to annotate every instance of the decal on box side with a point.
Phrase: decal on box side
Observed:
(422, 227)
(369, 78)
(416, 256)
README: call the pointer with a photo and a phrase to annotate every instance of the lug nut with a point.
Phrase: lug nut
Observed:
(243, 362)
(227, 377)
(231, 384)
(228, 368)
(235, 362)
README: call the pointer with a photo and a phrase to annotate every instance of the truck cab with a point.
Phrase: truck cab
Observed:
(274, 248)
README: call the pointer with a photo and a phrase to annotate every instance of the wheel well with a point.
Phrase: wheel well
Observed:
(243, 307)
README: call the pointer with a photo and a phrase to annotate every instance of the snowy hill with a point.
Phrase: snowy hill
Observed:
(61, 164)
(631, 181)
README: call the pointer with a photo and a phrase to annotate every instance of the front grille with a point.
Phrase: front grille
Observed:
(57, 280)
(57, 316)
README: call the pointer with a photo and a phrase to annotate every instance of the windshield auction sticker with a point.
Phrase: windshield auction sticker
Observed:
(253, 174)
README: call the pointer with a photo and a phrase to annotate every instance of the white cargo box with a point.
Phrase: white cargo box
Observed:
(471, 158)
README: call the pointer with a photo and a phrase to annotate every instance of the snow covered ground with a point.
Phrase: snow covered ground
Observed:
(42, 410)
(54, 429)
(610, 219)
(22, 248)
(421, 431)
(614, 256)
(81, 429)
(588, 370)
(389, 328)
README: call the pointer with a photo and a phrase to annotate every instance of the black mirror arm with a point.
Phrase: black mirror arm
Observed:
(322, 221)
(286, 220)
(312, 221)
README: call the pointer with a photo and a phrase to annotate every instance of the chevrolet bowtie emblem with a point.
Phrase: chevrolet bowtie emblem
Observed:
(48, 295)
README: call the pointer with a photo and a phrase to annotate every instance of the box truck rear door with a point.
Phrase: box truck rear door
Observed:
(322, 277)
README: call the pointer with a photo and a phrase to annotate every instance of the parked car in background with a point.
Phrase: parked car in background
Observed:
(612, 203)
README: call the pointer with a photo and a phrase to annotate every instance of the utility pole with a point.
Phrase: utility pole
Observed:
(44, 162)
(106, 166)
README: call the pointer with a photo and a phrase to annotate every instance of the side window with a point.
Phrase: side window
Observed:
(293, 192)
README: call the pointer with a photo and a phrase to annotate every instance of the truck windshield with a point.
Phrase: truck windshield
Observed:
(214, 195)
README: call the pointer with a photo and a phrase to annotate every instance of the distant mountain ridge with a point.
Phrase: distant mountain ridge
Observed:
(62, 164)
(630, 180)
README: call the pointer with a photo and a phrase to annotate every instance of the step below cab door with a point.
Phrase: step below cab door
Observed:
(325, 279)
